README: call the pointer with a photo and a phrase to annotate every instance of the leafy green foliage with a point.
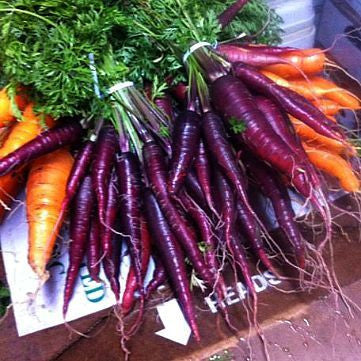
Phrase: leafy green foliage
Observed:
(160, 31)
(4, 299)
(237, 126)
(45, 45)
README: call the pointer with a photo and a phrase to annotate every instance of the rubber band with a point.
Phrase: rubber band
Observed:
(120, 86)
(193, 48)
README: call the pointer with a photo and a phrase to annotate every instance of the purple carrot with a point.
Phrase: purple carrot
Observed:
(159, 277)
(251, 231)
(164, 103)
(226, 205)
(228, 214)
(208, 236)
(94, 248)
(130, 182)
(179, 92)
(172, 258)
(235, 54)
(232, 99)
(283, 127)
(289, 100)
(111, 212)
(203, 169)
(44, 143)
(194, 189)
(79, 231)
(240, 259)
(216, 139)
(185, 141)
(272, 187)
(103, 162)
(80, 167)
(266, 49)
(132, 283)
(230, 13)
(156, 173)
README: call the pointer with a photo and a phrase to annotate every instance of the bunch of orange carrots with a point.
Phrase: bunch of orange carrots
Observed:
(328, 155)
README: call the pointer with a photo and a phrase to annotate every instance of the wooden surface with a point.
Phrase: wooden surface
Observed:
(58, 343)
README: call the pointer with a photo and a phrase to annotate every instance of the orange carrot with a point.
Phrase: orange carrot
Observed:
(335, 166)
(327, 106)
(23, 131)
(19, 134)
(318, 87)
(45, 191)
(319, 141)
(331, 91)
(10, 185)
(6, 107)
(301, 87)
(309, 61)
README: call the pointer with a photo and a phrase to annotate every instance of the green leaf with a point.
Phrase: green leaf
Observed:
(164, 131)
(4, 292)
(44, 44)
(238, 126)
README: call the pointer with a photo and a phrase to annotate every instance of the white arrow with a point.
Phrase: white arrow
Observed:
(176, 327)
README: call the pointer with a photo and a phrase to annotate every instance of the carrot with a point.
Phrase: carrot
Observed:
(20, 133)
(309, 135)
(159, 276)
(130, 185)
(155, 169)
(94, 248)
(299, 86)
(289, 100)
(327, 106)
(309, 61)
(194, 189)
(164, 103)
(179, 92)
(131, 286)
(106, 235)
(202, 166)
(216, 139)
(234, 53)
(283, 127)
(44, 143)
(233, 100)
(185, 141)
(334, 165)
(272, 187)
(228, 213)
(228, 15)
(317, 87)
(331, 91)
(6, 106)
(79, 236)
(45, 190)
(266, 49)
(106, 147)
(80, 167)
(24, 131)
(172, 258)
(10, 185)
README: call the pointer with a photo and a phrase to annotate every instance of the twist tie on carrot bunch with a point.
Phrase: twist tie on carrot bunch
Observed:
(193, 48)
(120, 86)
